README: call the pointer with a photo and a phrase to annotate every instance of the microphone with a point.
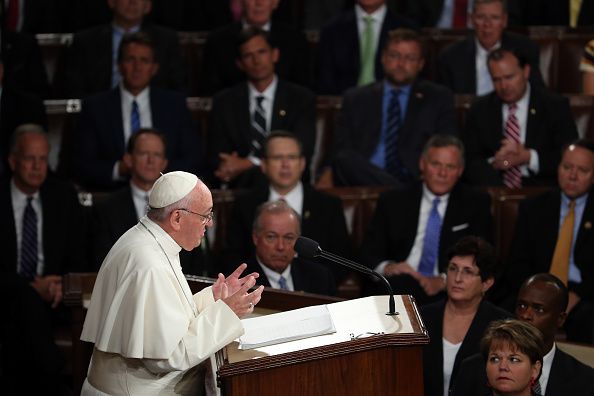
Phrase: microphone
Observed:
(309, 249)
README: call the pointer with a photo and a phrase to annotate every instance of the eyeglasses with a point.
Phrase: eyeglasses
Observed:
(205, 218)
(464, 272)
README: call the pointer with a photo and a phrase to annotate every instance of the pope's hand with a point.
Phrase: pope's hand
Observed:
(241, 302)
(224, 287)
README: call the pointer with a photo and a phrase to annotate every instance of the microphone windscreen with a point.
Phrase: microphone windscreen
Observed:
(307, 248)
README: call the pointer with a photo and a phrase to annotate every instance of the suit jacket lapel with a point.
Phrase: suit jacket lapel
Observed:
(375, 108)
(51, 217)
(353, 32)
(279, 107)
(587, 221)
(532, 121)
(242, 108)
(468, 65)
(9, 235)
(117, 120)
(415, 99)
(105, 45)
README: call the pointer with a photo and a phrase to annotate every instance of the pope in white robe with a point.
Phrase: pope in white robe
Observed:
(150, 333)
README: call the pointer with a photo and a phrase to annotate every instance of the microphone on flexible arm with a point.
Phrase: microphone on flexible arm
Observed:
(308, 248)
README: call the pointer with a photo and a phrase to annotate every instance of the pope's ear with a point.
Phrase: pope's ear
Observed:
(175, 220)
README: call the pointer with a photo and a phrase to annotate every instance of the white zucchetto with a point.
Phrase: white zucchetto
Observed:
(171, 187)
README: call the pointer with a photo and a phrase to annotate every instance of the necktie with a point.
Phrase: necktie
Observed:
(146, 200)
(393, 122)
(560, 263)
(367, 74)
(431, 241)
(512, 177)
(574, 12)
(259, 130)
(29, 242)
(12, 15)
(134, 118)
(460, 12)
(282, 282)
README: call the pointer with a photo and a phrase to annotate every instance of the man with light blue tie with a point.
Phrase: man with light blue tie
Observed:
(412, 229)
(275, 230)
(109, 118)
(383, 126)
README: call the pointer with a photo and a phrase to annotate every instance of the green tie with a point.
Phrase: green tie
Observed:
(367, 53)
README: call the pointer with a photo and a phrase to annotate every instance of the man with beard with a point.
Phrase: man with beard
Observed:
(383, 126)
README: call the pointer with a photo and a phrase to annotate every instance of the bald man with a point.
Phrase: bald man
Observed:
(150, 333)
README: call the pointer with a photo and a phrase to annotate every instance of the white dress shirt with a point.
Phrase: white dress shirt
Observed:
(140, 199)
(274, 277)
(484, 84)
(547, 362)
(19, 202)
(146, 119)
(449, 357)
(294, 198)
(267, 105)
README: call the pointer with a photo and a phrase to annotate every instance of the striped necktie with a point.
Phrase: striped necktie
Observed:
(259, 130)
(29, 248)
(431, 241)
(512, 177)
(393, 122)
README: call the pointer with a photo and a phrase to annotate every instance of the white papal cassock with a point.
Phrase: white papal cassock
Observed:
(150, 333)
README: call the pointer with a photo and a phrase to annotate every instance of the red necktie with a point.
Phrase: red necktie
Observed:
(460, 12)
(512, 177)
(12, 15)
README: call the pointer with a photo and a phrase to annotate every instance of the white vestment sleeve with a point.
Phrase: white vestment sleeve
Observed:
(216, 326)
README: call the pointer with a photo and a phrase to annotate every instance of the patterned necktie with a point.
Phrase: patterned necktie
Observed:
(393, 123)
(367, 74)
(134, 118)
(560, 262)
(11, 21)
(431, 241)
(512, 177)
(460, 13)
(259, 130)
(29, 247)
(536, 389)
(282, 282)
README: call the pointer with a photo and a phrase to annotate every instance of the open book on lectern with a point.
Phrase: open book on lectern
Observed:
(286, 326)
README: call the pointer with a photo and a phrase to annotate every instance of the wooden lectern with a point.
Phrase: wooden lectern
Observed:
(370, 354)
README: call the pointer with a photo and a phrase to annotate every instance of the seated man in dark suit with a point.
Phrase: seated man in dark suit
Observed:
(554, 234)
(109, 118)
(541, 302)
(92, 62)
(382, 127)
(242, 116)
(275, 230)
(322, 216)
(40, 240)
(350, 46)
(462, 66)
(513, 135)
(119, 211)
(221, 69)
(412, 229)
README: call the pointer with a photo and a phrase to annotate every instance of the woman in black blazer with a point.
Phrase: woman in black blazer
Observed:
(457, 324)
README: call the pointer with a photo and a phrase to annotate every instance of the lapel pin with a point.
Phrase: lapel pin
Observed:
(533, 111)
(282, 113)
(306, 214)
(587, 225)
(419, 95)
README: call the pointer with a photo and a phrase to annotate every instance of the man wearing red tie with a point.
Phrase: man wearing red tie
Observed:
(513, 134)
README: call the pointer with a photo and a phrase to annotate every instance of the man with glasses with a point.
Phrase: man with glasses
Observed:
(412, 229)
(383, 126)
(322, 216)
(462, 66)
(151, 334)
(275, 230)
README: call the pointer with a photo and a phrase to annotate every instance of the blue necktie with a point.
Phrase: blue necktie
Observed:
(282, 282)
(134, 118)
(28, 268)
(431, 241)
(393, 123)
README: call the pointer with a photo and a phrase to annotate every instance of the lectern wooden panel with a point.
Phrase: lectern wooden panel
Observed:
(380, 364)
